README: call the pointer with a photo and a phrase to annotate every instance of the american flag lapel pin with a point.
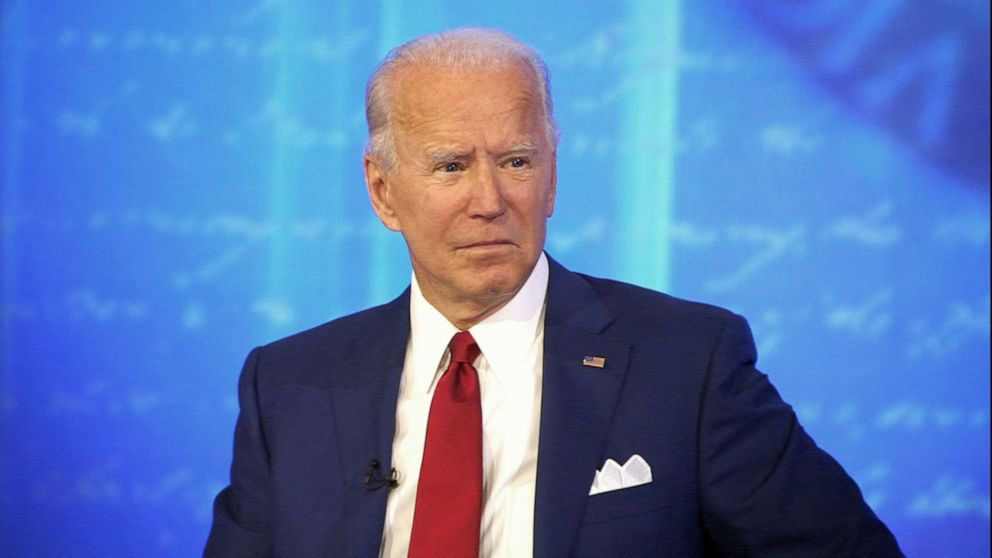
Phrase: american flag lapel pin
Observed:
(594, 361)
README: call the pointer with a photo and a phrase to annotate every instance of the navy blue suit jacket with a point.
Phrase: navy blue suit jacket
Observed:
(734, 473)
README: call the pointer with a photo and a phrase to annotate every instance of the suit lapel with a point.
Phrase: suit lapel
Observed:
(365, 419)
(576, 407)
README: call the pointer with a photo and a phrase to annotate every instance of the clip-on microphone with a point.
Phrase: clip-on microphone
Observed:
(375, 481)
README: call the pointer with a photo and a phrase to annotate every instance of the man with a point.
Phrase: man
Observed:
(525, 409)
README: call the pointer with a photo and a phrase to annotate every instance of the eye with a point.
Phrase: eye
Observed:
(451, 167)
(519, 162)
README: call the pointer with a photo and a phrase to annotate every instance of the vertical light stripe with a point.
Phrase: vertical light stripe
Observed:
(387, 257)
(333, 195)
(389, 268)
(280, 199)
(295, 278)
(646, 149)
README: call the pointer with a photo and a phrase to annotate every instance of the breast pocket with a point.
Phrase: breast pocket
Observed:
(625, 502)
(642, 520)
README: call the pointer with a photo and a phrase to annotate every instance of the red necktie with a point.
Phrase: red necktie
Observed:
(448, 511)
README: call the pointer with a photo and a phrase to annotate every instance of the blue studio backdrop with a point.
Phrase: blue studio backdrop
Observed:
(181, 181)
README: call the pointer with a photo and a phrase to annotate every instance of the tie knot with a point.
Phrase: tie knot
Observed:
(463, 347)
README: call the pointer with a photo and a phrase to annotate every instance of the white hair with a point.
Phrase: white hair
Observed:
(459, 49)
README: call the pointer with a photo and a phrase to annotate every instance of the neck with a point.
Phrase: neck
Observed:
(466, 309)
(465, 314)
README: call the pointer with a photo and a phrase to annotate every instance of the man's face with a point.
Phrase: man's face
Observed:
(472, 185)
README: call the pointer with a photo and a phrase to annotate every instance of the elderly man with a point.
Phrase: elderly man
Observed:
(503, 405)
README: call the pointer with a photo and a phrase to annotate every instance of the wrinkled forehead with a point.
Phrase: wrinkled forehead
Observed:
(424, 94)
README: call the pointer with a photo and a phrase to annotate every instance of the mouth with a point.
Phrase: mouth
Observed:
(487, 245)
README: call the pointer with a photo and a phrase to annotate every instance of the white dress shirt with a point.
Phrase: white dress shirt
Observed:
(510, 370)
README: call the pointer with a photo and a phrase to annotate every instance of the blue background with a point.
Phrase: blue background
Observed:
(181, 181)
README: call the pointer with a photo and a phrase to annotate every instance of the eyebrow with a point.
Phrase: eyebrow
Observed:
(442, 154)
(528, 147)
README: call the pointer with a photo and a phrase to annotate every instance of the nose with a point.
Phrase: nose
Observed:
(487, 199)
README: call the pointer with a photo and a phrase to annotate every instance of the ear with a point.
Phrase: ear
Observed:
(378, 183)
(550, 207)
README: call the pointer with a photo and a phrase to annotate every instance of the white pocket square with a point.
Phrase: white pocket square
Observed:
(612, 476)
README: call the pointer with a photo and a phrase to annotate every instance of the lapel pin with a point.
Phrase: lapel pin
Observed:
(594, 361)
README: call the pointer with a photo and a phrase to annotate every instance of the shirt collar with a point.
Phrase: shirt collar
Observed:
(504, 337)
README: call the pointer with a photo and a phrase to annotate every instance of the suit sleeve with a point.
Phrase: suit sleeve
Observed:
(767, 489)
(241, 511)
